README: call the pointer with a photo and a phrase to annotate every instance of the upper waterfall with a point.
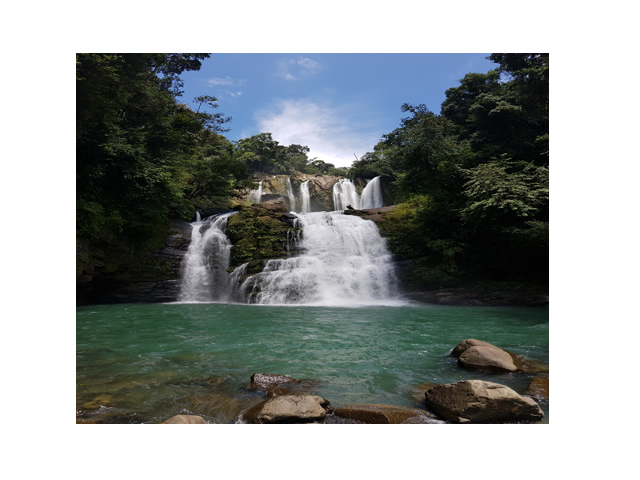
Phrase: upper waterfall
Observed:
(372, 195)
(291, 195)
(305, 197)
(344, 193)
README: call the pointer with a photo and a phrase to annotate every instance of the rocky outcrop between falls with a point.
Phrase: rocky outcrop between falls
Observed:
(478, 401)
(259, 233)
(274, 190)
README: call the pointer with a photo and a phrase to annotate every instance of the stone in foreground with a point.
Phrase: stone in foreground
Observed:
(388, 414)
(478, 401)
(287, 409)
(185, 419)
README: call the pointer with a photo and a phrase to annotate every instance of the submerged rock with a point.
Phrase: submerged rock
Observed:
(387, 414)
(185, 419)
(287, 409)
(478, 401)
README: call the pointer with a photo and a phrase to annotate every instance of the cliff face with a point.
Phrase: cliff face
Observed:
(116, 275)
(274, 190)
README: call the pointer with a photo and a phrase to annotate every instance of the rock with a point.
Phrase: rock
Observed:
(266, 381)
(387, 414)
(374, 214)
(478, 401)
(480, 355)
(539, 388)
(287, 409)
(417, 393)
(185, 419)
(488, 358)
(469, 342)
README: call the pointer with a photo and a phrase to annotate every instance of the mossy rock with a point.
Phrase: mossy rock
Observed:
(258, 233)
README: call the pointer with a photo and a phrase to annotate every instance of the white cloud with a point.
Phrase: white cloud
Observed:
(333, 134)
(291, 69)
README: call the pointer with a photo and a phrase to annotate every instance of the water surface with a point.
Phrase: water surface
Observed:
(143, 363)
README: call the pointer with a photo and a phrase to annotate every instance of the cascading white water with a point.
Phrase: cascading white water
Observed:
(372, 195)
(344, 193)
(343, 261)
(204, 269)
(290, 194)
(256, 195)
(305, 197)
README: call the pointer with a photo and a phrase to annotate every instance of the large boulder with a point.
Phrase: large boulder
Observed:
(287, 409)
(380, 413)
(480, 355)
(478, 401)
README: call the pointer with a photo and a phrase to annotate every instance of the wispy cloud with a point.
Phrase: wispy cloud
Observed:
(228, 83)
(333, 134)
(224, 82)
(293, 68)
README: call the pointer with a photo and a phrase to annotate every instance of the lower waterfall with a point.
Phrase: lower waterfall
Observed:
(340, 260)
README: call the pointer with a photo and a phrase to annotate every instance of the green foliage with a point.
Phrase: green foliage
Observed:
(504, 117)
(141, 156)
(475, 179)
(505, 193)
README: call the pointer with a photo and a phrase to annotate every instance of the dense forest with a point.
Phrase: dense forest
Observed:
(471, 182)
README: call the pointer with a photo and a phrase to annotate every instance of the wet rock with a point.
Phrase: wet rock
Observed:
(373, 214)
(266, 381)
(418, 392)
(478, 401)
(539, 388)
(185, 419)
(287, 409)
(388, 414)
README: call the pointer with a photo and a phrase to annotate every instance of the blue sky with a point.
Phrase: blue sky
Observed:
(338, 104)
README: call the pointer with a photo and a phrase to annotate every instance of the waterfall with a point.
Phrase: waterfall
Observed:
(305, 197)
(256, 195)
(292, 198)
(344, 193)
(372, 195)
(204, 269)
(343, 261)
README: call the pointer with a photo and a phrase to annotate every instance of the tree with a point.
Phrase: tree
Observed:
(140, 153)
(506, 111)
